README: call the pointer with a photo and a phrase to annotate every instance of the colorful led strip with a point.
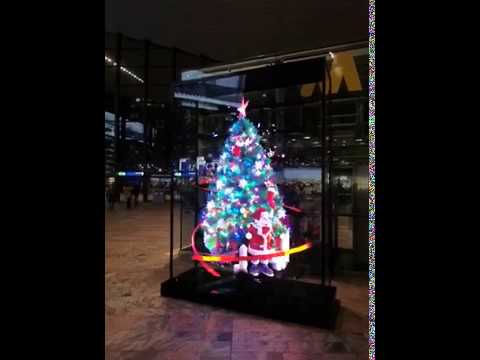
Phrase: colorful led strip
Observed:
(297, 210)
(203, 259)
(235, 258)
(124, 69)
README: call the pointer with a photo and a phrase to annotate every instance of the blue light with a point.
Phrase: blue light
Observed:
(130, 173)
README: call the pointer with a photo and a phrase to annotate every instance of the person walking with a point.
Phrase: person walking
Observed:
(136, 193)
(110, 198)
(128, 194)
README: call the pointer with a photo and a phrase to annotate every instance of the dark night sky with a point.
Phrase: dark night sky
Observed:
(229, 30)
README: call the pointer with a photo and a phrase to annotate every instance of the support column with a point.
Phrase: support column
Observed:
(146, 121)
(116, 111)
(330, 251)
(324, 192)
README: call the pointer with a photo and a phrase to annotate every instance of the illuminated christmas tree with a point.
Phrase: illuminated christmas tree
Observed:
(244, 209)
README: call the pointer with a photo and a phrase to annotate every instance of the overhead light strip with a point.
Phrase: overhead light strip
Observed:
(124, 69)
(204, 99)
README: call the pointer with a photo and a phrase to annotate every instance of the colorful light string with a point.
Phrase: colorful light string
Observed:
(371, 181)
(292, 208)
(229, 258)
(244, 201)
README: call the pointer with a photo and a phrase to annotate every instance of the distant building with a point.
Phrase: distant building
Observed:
(139, 76)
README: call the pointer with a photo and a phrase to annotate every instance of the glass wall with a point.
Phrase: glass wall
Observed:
(138, 79)
(311, 111)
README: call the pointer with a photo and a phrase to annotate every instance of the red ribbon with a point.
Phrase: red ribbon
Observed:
(195, 252)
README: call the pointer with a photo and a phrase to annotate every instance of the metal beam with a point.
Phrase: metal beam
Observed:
(263, 61)
(146, 120)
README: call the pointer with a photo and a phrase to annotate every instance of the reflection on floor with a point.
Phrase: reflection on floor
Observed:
(141, 325)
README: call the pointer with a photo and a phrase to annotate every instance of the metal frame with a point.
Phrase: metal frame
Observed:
(329, 243)
(119, 50)
(327, 240)
(269, 60)
(119, 88)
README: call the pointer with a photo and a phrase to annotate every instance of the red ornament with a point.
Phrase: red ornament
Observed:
(270, 199)
(236, 151)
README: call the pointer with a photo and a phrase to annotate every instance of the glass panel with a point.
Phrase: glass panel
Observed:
(361, 211)
(110, 42)
(342, 181)
(185, 61)
(161, 76)
(296, 160)
(159, 93)
(133, 58)
(286, 110)
(129, 43)
(160, 56)
(186, 210)
(345, 232)
(132, 75)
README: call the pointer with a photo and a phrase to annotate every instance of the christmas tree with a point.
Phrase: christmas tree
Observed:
(244, 209)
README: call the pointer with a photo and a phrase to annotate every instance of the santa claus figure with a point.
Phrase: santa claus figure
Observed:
(262, 242)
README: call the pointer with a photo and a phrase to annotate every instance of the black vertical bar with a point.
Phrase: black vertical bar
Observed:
(118, 58)
(181, 220)
(172, 161)
(146, 120)
(324, 192)
(183, 146)
(172, 192)
(354, 213)
(123, 120)
(196, 167)
(330, 193)
(174, 64)
(174, 79)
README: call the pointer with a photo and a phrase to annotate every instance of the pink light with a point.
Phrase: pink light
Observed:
(292, 208)
(243, 109)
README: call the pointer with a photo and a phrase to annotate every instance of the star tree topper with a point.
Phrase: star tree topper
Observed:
(243, 109)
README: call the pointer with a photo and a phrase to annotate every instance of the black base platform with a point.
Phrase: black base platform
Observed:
(289, 300)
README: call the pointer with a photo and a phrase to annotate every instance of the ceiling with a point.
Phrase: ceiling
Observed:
(229, 30)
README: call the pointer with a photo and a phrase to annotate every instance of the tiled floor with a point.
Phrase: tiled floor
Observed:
(141, 325)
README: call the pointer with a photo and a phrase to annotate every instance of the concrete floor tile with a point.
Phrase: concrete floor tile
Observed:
(250, 355)
(346, 356)
(145, 326)
(302, 356)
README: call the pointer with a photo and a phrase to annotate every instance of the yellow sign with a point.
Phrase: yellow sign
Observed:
(343, 68)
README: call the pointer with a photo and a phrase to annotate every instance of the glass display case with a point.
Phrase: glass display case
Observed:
(305, 131)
